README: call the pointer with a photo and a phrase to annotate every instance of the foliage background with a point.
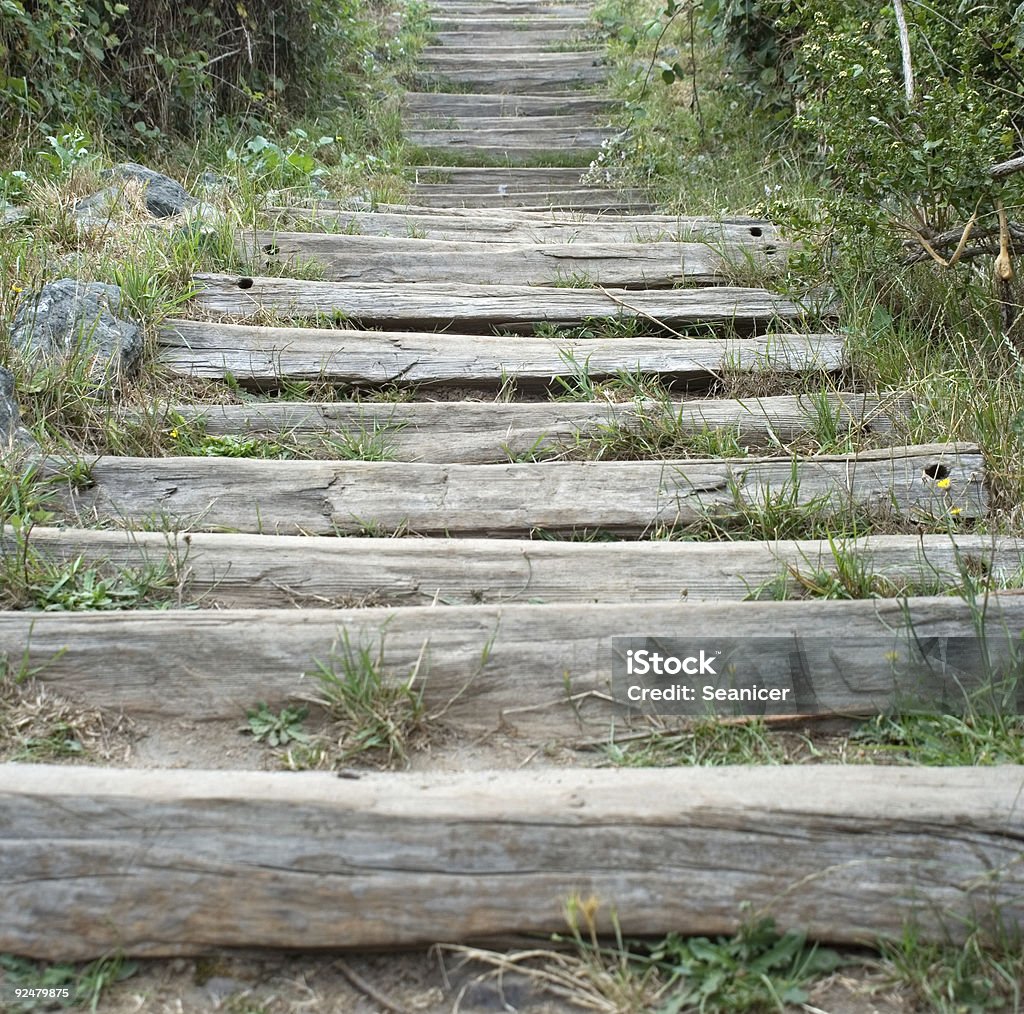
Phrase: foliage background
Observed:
(140, 69)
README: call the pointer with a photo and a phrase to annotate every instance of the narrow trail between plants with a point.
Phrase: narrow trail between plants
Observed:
(518, 491)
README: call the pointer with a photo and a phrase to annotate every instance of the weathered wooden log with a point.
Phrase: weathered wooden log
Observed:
(634, 265)
(306, 861)
(510, 225)
(491, 104)
(262, 357)
(513, 126)
(492, 432)
(512, 137)
(265, 571)
(538, 77)
(628, 497)
(532, 39)
(483, 307)
(542, 672)
(539, 178)
(589, 199)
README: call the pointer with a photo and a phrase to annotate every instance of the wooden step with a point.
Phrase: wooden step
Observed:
(231, 859)
(482, 307)
(526, 126)
(512, 177)
(633, 265)
(616, 202)
(528, 16)
(261, 357)
(474, 432)
(490, 104)
(512, 225)
(535, 39)
(623, 497)
(528, 142)
(538, 76)
(540, 672)
(267, 571)
(498, 22)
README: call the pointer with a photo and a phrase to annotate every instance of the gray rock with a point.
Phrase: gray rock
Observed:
(9, 214)
(12, 433)
(70, 317)
(164, 196)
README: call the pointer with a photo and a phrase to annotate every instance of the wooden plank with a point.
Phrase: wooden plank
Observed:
(540, 178)
(538, 79)
(567, 200)
(261, 357)
(513, 667)
(497, 22)
(482, 307)
(526, 141)
(510, 38)
(490, 104)
(626, 497)
(226, 859)
(265, 571)
(473, 432)
(510, 125)
(375, 259)
(515, 226)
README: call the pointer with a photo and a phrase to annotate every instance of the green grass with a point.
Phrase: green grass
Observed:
(85, 984)
(375, 714)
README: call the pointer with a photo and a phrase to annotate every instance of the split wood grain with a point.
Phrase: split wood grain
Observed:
(267, 571)
(543, 176)
(628, 497)
(264, 356)
(541, 672)
(480, 433)
(515, 226)
(588, 199)
(377, 259)
(482, 307)
(512, 124)
(491, 104)
(219, 859)
(539, 78)
(513, 136)
(509, 38)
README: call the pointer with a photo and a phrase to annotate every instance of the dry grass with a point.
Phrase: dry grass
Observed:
(39, 725)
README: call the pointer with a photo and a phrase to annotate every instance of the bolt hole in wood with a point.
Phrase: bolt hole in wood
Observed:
(936, 470)
(271, 248)
(245, 283)
(756, 230)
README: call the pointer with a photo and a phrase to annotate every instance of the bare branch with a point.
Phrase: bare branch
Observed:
(1007, 168)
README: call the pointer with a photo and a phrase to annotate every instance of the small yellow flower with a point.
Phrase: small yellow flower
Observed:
(954, 510)
(174, 434)
(944, 483)
(17, 288)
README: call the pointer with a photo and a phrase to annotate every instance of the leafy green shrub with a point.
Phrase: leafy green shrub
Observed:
(149, 67)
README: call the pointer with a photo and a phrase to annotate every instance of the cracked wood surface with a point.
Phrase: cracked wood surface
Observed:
(626, 497)
(492, 432)
(265, 571)
(538, 672)
(262, 356)
(482, 307)
(513, 225)
(377, 259)
(307, 860)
